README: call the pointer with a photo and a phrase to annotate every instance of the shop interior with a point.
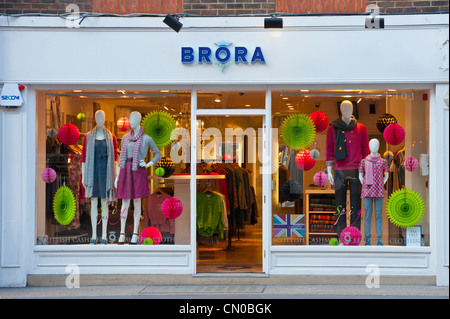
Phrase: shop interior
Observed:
(235, 243)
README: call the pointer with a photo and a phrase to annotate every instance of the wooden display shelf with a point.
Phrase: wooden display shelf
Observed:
(308, 212)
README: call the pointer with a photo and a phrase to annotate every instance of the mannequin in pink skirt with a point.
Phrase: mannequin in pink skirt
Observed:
(132, 181)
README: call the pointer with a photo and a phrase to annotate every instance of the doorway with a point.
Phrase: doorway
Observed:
(230, 193)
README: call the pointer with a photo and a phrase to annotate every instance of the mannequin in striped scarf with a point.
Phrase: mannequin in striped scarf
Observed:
(132, 180)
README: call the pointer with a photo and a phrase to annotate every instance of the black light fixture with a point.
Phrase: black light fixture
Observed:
(273, 23)
(173, 22)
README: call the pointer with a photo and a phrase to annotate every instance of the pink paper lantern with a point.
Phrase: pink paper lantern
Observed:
(351, 236)
(320, 120)
(394, 134)
(320, 179)
(304, 161)
(68, 134)
(153, 233)
(411, 164)
(172, 208)
(49, 175)
(123, 124)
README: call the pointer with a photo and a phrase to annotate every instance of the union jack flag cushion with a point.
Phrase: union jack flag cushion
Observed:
(288, 225)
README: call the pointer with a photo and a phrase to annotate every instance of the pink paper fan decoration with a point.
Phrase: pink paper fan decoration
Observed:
(304, 161)
(49, 175)
(411, 164)
(172, 208)
(394, 134)
(320, 120)
(68, 134)
(351, 236)
(320, 179)
(153, 233)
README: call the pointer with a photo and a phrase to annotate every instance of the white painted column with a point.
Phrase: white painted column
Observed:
(14, 183)
(439, 183)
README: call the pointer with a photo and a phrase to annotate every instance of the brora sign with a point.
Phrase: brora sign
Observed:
(222, 56)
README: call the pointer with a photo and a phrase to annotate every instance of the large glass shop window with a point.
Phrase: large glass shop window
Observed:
(106, 166)
(352, 168)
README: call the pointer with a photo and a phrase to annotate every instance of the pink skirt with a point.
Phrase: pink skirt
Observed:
(132, 184)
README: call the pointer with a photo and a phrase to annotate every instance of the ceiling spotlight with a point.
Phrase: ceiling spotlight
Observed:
(173, 22)
(273, 23)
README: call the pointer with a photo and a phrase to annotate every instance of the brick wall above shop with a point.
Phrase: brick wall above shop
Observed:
(321, 6)
(403, 6)
(221, 7)
(137, 6)
(42, 6)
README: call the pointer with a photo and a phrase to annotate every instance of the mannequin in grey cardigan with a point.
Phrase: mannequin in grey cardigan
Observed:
(99, 161)
(132, 180)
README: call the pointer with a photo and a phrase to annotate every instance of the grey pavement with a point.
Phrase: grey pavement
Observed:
(229, 292)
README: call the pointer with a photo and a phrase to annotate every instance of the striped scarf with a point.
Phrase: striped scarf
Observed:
(130, 137)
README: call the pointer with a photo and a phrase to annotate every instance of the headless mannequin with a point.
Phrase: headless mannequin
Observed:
(347, 144)
(346, 111)
(374, 146)
(100, 135)
(135, 120)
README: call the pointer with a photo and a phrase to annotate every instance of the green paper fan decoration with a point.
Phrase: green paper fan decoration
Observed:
(405, 208)
(159, 125)
(298, 131)
(64, 205)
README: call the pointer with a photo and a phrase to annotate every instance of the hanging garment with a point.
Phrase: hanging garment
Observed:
(154, 215)
(209, 214)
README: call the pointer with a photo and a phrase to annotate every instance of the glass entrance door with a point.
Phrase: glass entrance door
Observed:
(229, 194)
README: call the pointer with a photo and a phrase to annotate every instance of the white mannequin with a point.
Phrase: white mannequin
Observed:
(374, 146)
(346, 111)
(100, 135)
(135, 120)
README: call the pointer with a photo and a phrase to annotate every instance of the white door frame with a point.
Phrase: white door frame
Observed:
(267, 197)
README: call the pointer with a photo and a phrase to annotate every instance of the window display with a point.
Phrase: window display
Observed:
(351, 168)
(98, 163)
(362, 153)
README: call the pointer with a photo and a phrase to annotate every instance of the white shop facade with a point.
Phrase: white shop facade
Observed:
(222, 73)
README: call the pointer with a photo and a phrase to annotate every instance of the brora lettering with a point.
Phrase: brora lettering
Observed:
(222, 55)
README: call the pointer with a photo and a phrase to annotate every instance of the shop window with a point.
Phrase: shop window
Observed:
(309, 210)
(91, 187)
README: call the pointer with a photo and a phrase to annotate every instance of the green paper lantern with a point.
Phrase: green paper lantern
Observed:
(333, 242)
(148, 241)
(159, 126)
(81, 117)
(159, 171)
(167, 165)
(405, 208)
(298, 131)
(64, 205)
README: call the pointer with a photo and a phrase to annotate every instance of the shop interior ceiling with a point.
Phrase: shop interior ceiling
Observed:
(283, 102)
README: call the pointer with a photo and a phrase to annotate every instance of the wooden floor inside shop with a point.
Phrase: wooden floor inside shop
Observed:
(244, 256)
